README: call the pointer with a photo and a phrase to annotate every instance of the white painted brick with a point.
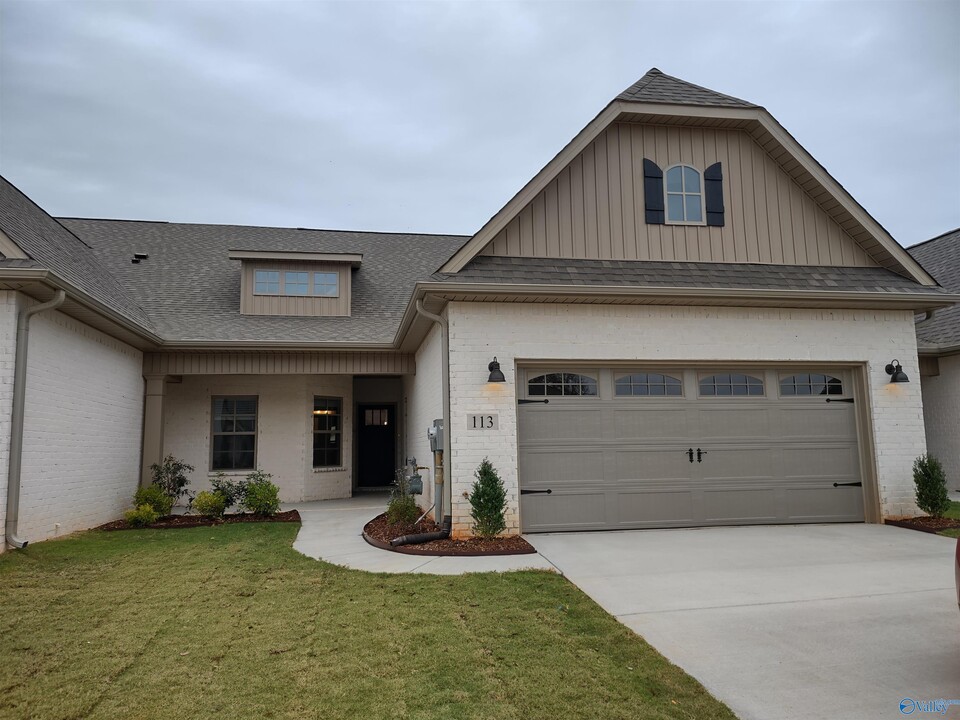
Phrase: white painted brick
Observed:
(423, 401)
(284, 429)
(82, 426)
(941, 417)
(512, 332)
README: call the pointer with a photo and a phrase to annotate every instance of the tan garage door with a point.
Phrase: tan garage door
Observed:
(665, 447)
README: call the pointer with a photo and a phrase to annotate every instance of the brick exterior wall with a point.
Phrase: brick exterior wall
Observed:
(941, 415)
(423, 402)
(517, 332)
(8, 348)
(284, 429)
(82, 424)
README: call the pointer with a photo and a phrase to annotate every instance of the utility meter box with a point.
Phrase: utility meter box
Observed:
(415, 484)
(435, 433)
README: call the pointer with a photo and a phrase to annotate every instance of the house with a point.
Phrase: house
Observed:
(938, 340)
(681, 320)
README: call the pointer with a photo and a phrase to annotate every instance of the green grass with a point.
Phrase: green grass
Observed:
(230, 621)
(953, 512)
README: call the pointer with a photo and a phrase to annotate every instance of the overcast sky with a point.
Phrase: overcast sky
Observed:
(428, 117)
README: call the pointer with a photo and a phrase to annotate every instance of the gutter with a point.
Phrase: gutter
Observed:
(438, 473)
(16, 423)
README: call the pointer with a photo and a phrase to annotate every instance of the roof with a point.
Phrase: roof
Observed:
(941, 258)
(672, 274)
(658, 87)
(52, 246)
(190, 287)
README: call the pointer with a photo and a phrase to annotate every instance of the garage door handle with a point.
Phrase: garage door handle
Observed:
(536, 492)
(846, 400)
(856, 484)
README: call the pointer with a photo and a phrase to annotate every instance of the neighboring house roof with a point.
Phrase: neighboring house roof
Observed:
(191, 288)
(658, 87)
(53, 247)
(673, 274)
(941, 258)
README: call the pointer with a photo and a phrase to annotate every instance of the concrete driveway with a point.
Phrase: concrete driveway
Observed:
(813, 621)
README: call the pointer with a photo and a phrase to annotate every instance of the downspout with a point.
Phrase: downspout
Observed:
(16, 422)
(438, 477)
(928, 316)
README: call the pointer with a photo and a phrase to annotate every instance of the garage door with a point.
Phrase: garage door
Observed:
(608, 448)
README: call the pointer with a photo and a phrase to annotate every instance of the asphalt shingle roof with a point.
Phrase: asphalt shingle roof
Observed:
(191, 289)
(52, 246)
(648, 273)
(658, 87)
(941, 258)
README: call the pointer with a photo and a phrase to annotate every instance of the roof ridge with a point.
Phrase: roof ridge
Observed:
(941, 236)
(707, 97)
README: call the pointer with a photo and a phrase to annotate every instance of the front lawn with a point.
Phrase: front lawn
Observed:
(231, 622)
(953, 512)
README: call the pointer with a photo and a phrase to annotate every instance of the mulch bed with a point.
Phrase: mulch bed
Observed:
(191, 521)
(378, 532)
(925, 523)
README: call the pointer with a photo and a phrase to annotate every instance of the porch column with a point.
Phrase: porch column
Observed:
(154, 394)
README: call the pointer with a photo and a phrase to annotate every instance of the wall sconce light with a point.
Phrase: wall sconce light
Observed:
(496, 375)
(896, 372)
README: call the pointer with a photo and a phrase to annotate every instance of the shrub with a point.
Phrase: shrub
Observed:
(171, 477)
(931, 485)
(210, 504)
(233, 491)
(261, 497)
(153, 496)
(141, 516)
(402, 507)
(488, 500)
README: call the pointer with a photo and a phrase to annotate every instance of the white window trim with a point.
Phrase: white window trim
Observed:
(313, 283)
(311, 278)
(703, 198)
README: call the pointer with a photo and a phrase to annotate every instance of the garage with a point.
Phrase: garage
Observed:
(604, 448)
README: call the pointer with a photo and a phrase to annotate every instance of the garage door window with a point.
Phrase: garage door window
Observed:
(645, 384)
(562, 383)
(725, 384)
(810, 384)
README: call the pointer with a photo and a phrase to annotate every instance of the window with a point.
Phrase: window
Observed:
(266, 282)
(810, 384)
(296, 283)
(731, 384)
(234, 433)
(326, 284)
(684, 195)
(379, 416)
(562, 384)
(647, 384)
(327, 427)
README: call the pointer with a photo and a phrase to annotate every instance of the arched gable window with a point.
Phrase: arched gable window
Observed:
(684, 195)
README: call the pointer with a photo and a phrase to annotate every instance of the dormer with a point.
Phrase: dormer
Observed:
(302, 284)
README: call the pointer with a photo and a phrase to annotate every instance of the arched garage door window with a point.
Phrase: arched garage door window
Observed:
(562, 383)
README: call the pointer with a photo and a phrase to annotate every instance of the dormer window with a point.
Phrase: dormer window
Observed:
(295, 283)
(684, 191)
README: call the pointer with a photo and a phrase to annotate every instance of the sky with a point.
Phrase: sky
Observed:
(429, 116)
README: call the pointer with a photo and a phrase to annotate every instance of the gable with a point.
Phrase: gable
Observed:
(594, 207)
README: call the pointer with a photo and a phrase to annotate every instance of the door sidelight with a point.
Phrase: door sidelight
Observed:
(700, 454)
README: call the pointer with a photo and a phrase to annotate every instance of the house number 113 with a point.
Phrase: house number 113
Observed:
(489, 421)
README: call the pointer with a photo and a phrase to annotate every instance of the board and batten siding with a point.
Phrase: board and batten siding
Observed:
(298, 305)
(594, 208)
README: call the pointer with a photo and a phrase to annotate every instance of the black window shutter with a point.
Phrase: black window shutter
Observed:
(713, 189)
(653, 192)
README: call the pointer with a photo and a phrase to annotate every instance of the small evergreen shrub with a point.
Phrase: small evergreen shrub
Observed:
(171, 477)
(931, 485)
(233, 491)
(210, 504)
(155, 497)
(141, 516)
(488, 501)
(402, 507)
(261, 496)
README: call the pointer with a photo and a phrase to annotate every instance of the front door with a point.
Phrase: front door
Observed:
(376, 445)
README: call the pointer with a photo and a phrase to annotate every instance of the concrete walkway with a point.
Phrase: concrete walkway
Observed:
(331, 531)
(784, 623)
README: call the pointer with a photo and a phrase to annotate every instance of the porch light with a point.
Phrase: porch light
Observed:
(896, 373)
(496, 375)
(324, 412)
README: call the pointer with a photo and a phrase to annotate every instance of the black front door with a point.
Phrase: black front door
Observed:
(376, 444)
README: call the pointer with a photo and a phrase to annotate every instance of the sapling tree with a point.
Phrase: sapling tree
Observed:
(488, 501)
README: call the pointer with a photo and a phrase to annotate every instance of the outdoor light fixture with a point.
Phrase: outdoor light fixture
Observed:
(496, 375)
(896, 372)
